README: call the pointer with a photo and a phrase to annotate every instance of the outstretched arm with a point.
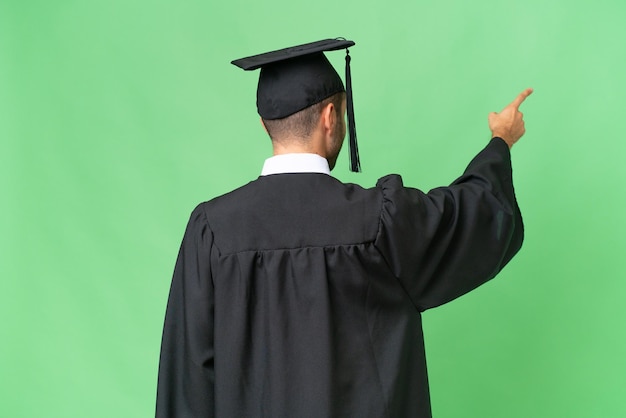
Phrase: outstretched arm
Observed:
(444, 243)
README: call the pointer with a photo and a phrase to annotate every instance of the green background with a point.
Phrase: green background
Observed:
(118, 116)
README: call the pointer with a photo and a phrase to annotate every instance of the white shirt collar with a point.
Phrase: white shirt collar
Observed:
(295, 163)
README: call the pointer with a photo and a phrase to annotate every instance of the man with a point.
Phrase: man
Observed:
(297, 295)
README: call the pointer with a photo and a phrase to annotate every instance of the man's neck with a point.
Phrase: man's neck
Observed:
(298, 145)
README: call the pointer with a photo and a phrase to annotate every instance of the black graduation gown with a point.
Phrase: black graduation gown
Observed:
(299, 296)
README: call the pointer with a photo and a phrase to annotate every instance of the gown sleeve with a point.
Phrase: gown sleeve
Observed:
(186, 373)
(444, 243)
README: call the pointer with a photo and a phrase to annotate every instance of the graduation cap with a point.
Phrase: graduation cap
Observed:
(295, 78)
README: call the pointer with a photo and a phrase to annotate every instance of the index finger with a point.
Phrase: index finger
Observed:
(520, 98)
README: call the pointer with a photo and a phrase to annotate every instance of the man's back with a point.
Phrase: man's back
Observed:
(297, 295)
(298, 265)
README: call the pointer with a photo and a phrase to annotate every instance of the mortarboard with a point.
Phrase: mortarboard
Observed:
(295, 78)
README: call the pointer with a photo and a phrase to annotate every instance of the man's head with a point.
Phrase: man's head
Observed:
(302, 100)
(319, 128)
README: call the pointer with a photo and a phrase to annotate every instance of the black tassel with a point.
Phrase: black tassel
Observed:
(355, 163)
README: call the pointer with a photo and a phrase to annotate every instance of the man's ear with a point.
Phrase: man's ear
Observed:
(329, 117)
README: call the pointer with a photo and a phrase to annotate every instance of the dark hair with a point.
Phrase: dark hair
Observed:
(301, 124)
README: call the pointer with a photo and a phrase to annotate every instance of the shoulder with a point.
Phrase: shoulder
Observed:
(306, 186)
(294, 210)
(390, 181)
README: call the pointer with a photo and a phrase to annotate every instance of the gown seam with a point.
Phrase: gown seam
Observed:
(206, 219)
(386, 261)
(304, 247)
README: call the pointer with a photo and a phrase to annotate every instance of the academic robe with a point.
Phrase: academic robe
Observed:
(297, 295)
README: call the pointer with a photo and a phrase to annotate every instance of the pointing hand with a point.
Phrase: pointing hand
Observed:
(509, 123)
